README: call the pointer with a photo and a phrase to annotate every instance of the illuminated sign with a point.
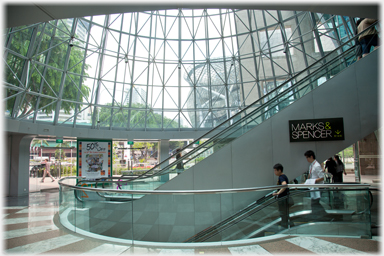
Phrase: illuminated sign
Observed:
(326, 129)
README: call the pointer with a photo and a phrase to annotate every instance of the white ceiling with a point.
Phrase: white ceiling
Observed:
(29, 13)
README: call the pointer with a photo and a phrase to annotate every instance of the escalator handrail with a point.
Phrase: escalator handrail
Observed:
(210, 191)
(252, 105)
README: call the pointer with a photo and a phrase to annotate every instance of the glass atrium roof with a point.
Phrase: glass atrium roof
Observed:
(173, 70)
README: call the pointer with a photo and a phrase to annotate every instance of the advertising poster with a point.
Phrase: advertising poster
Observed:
(94, 158)
(325, 129)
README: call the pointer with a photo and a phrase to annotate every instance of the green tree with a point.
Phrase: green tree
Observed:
(176, 144)
(115, 157)
(120, 117)
(48, 57)
(146, 146)
(37, 143)
(59, 153)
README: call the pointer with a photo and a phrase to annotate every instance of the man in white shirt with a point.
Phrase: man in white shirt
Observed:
(316, 174)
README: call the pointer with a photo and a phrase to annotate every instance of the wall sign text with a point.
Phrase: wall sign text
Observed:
(326, 129)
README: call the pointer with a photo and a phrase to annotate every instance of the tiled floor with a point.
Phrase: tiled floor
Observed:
(31, 227)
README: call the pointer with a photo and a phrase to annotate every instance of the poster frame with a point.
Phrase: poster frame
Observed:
(109, 152)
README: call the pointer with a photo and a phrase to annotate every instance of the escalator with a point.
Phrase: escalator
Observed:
(258, 112)
(253, 222)
(232, 220)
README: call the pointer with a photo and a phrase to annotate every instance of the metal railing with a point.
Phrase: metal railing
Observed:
(216, 215)
(62, 181)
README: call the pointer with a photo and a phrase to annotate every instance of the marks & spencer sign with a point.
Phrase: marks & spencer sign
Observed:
(326, 129)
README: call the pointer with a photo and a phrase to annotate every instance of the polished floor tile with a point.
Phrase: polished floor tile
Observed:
(320, 246)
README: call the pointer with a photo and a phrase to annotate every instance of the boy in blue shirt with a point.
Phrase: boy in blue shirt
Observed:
(283, 192)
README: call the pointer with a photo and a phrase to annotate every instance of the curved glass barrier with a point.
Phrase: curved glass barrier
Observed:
(264, 108)
(212, 215)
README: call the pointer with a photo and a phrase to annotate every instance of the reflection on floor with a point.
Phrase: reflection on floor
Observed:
(29, 228)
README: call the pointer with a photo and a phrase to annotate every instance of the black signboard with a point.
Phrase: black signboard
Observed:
(325, 129)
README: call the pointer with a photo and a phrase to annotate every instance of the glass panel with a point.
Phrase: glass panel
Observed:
(211, 217)
(138, 118)
(154, 119)
(27, 105)
(35, 79)
(21, 37)
(58, 53)
(186, 120)
(141, 73)
(115, 21)
(84, 115)
(10, 102)
(239, 50)
(120, 118)
(14, 69)
(171, 120)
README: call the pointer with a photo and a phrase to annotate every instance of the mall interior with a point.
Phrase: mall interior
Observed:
(161, 124)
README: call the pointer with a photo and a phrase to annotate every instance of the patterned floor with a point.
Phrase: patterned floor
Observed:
(31, 227)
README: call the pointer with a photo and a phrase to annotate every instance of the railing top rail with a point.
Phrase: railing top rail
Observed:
(211, 191)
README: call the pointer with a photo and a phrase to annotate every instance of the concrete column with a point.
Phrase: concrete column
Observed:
(17, 164)
(164, 154)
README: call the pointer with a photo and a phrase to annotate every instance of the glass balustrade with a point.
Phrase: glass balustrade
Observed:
(113, 214)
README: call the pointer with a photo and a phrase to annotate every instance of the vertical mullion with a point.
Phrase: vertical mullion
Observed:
(349, 33)
(242, 100)
(44, 72)
(237, 78)
(133, 64)
(253, 49)
(269, 51)
(104, 37)
(154, 57)
(179, 72)
(316, 32)
(149, 58)
(335, 30)
(64, 77)
(163, 78)
(9, 41)
(114, 83)
(194, 68)
(20, 97)
(317, 38)
(208, 59)
(226, 76)
(81, 77)
(305, 59)
(285, 43)
(302, 44)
